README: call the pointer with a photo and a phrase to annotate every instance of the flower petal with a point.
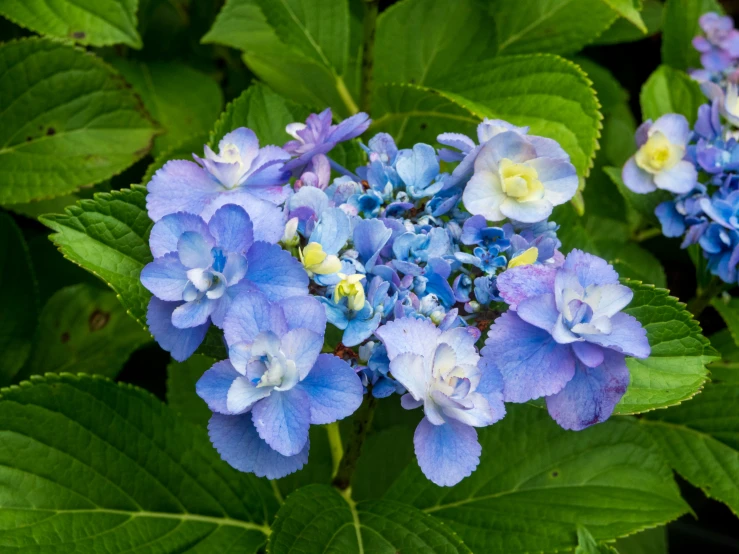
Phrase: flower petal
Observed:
(242, 394)
(268, 220)
(181, 343)
(415, 336)
(636, 179)
(590, 270)
(232, 228)
(335, 390)
(304, 311)
(214, 384)
(303, 347)
(194, 250)
(627, 336)
(180, 186)
(282, 420)
(237, 441)
(165, 277)
(275, 272)
(193, 314)
(484, 195)
(540, 311)
(167, 231)
(250, 314)
(446, 453)
(522, 282)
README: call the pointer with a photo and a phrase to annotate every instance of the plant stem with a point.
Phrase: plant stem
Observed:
(647, 234)
(368, 53)
(361, 424)
(334, 443)
(705, 295)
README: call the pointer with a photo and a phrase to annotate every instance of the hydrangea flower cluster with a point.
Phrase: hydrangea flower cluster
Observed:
(699, 166)
(329, 284)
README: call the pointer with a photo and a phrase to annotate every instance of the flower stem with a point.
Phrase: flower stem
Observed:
(371, 8)
(705, 295)
(334, 443)
(361, 424)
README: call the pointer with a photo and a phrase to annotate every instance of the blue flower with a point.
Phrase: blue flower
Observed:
(440, 371)
(381, 148)
(411, 249)
(720, 47)
(318, 136)
(659, 163)
(199, 268)
(242, 173)
(275, 385)
(721, 248)
(565, 338)
(419, 169)
(513, 179)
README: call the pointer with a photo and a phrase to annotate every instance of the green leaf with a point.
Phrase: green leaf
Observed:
(536, 482)
(651, 541)
(701, 440)
(675, 371)
(109, 237)
(318, 519)
(411, 114)
(419, 41)
(84, 329)
(18, 300)
(670, 90)
(629, 11)
(69, 120)
(551, 94)
(645, 204)
(181, 395)
(586, 544)
(679, 28)
(619, 129)
(727, 368)
(93, 22)
(261, 110)
(181, 151)
(375, 470)
(554, 26)
(182, 100)
(728, 309)
(89, 466)
(624, 31)
(284, 39)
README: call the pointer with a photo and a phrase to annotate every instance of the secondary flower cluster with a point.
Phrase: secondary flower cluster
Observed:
(699, 166)
(407, 259)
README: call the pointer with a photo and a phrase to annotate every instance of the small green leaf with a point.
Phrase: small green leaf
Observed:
(624, 31)
(651, 541)
(261, 110)
(630, 12)
(318, 519)
(69, 120)
(18, 300)
(184, 101)
(90, 466)
(93, 22)
(527, 26)
(679, 29)
(109, 237)
(537, 482)
(728, 309)
(181, 395)
(551, 94)
(701, 442)
(419, 41)
(84, 329)
(586, 544)
(675, 371)
(669, 90)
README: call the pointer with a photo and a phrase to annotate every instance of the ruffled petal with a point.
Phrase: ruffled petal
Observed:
(214, 384)
(415, 336)
(232, 228)
(167, 232)
(283, 419)
(275, 272)
(522, 282)
(180, 186)
(334, 389)
(446, 453)
(181, 343)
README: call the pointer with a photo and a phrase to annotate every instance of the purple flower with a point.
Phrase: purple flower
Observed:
(317, 136)
(514, 179)
(660, 161)
(720, 47)
(440, 371)
(242, 173)
(565, 338)
(199, 268)
(275, 385)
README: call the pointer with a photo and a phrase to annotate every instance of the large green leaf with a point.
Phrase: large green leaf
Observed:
(18, 300)
(317, 519)
(670, 90)
(181, 395)
(701, 439)
(419, 41)
(675, 371)
(68, 120)
(182, 100)
(84, 329)
(679, 28)
(109, 237)
(303, 49)
(536, 482)
(551, 94)
(417, 114)
(91, 466)
(261, 110)
(555, 26)
(93, 22)
(629, 10)
(728, 308)
(624, 31)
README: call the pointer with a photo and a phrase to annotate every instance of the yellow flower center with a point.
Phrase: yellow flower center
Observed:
(658, 154)
(317, 262)
(526, 257)
(520, 181)
(350, 287)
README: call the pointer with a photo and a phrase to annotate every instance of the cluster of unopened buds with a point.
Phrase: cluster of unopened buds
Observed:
(408, 260)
